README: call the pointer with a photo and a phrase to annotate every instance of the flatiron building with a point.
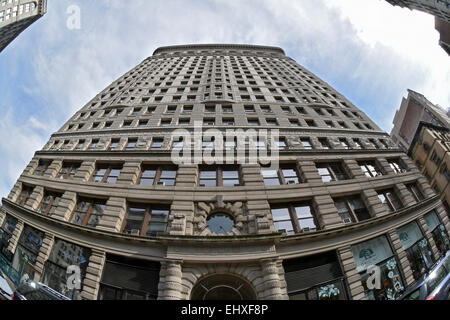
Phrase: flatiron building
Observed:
(105, 195)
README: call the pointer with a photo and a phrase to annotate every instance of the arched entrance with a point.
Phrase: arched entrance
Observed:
(223, 287)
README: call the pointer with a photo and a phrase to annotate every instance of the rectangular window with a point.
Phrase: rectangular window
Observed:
(396, 166)
(24, 195)
(306, 142)
(370, 169)
(146, 220)
(68, 170)
(88, 212)
(131, 144)
(221, 176)
(158, 175)
(295, 218)
(286, 174)
(157, 144)
(42, 167)
(344, 143)
(49, 203)
(332, 171)
(114, 144)
(352, 209)
(324, 143)
(389, 200)
(107, 173)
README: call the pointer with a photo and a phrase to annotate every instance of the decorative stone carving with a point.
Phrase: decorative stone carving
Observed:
(234, 209)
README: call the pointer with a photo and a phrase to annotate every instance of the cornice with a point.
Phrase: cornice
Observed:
(218, 47)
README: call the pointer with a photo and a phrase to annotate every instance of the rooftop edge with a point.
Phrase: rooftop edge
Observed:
(218, 46)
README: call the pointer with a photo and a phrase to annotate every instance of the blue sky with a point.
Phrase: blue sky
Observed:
(368, 50)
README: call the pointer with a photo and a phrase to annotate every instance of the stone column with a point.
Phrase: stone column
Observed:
(442, 213)
(251, 175)
(44, 253)
(35, 198)
(402, 257)
(129, 173)
(326, 211)
(354, 169)
(65, 206)
(309, 173)
(91, 282)
(15, 236)
(15, 192)
(353, 277)
(182, 210)
(2, 216)
(271, 280)
(85, 172)
(385, 166)
(404, 195)
(31, 167)
(113, 215)
(53, 169)
(170, 286)
(425, 187)
(429, 236)
(260, 217)
(373, 203)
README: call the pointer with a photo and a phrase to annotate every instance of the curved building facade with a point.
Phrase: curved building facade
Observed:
(105, 198)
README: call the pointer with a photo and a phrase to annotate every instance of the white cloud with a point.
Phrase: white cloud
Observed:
(18, 143)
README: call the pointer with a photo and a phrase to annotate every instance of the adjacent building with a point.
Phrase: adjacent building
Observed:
(439, 8)
(430, 152)
(414, 109)
(106, 195)
(16, 16)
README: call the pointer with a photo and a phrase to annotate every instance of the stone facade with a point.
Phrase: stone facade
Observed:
(112, 162)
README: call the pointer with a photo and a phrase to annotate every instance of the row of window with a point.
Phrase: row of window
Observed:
(151, 219)
(141, 219)
(224, 108)
(209, 143)
(301, 218)
(225, 121)
(226, 175)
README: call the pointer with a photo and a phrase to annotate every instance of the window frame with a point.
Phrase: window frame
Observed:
(54, 196)
(329, 166)
(92, 203)
(219, 175)
(350, 210)
(106, 175)
(159, 169)
(294, 217)
(147, 218)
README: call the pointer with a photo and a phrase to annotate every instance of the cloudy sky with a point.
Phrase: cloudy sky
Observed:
(368, 50)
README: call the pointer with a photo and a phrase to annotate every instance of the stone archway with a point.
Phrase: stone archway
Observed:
(223, 287)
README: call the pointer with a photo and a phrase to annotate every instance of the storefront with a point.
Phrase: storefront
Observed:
(438, 232)
(63, 255)
(129, 279)
(317, 277)
(8, 227)
(378, 252)
(30, 242)
(417, 249)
